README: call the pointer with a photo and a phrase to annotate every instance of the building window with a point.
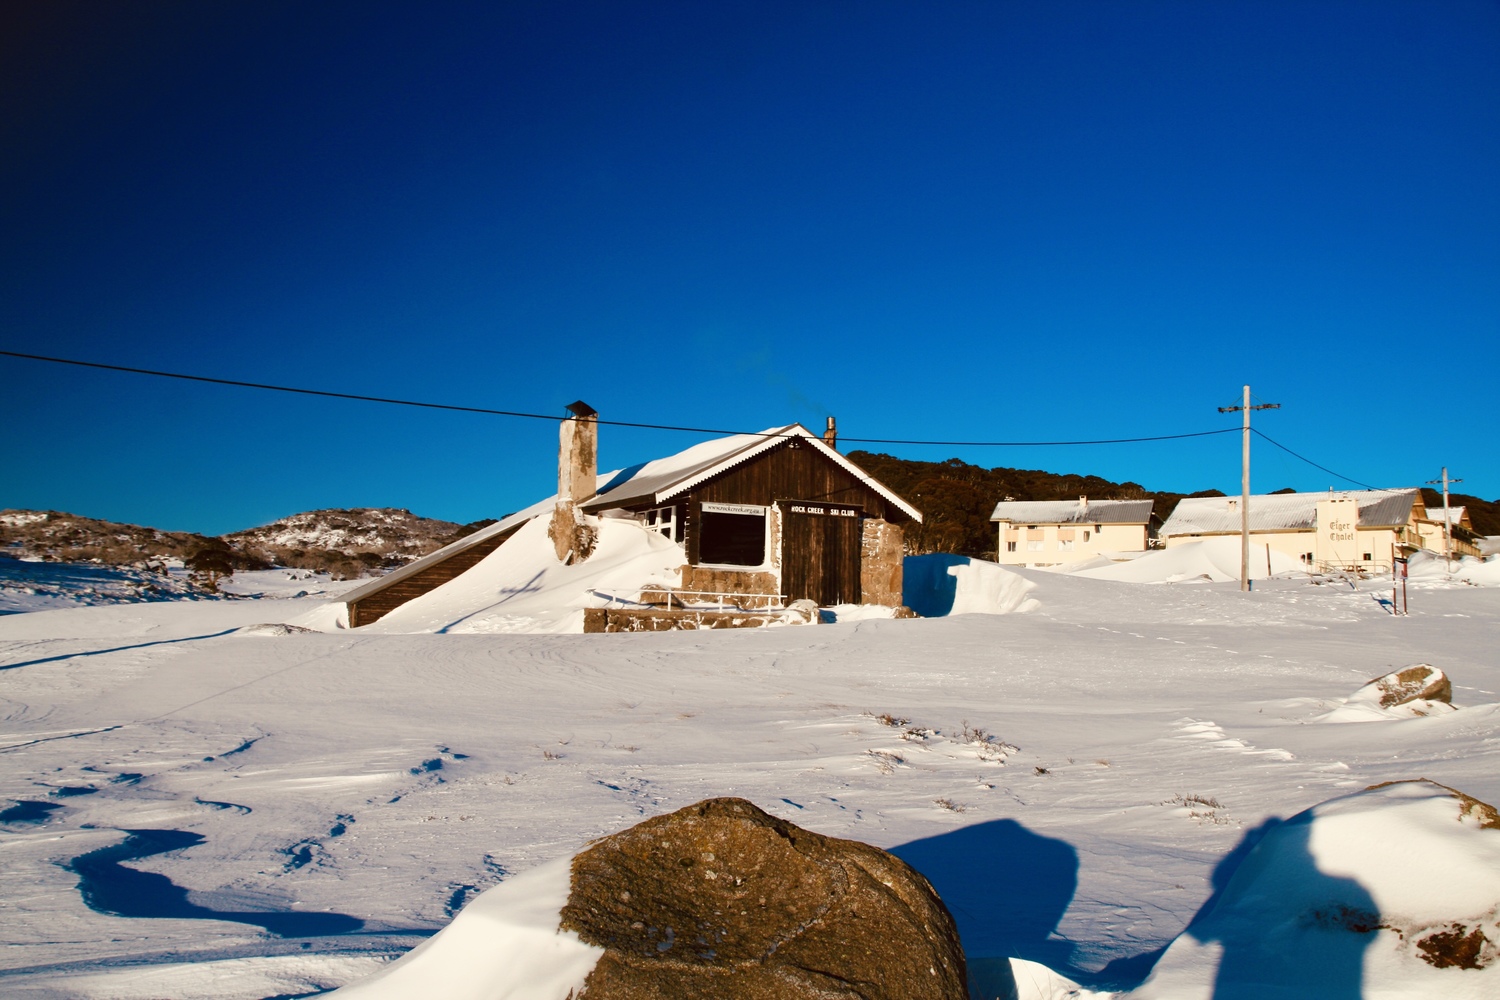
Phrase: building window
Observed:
(732, 538)
(1010, 546)
(1368, 556)
(1085, 536)
(1065, 545)
(1034, 546)
(663, 521)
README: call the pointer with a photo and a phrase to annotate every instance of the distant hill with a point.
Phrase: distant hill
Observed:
(344, 543)
(956, 498)
(1484, 513)
(58, 537)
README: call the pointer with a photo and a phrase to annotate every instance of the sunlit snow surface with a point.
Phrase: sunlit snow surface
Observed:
(380, 781)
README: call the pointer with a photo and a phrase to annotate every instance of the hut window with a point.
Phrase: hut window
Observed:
(732, 535)
(663, 521)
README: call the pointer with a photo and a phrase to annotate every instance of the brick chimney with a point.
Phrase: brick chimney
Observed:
(572, 537)
(831, 434)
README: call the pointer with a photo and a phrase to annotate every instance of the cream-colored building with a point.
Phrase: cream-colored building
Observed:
(1359, 531)
(1058, 532)
(1462, 536)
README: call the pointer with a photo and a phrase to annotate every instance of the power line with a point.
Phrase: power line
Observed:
(1310, 462)
(610, 423)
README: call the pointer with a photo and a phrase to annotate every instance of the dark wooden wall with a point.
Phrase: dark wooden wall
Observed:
(379, 604)
(787, 473)
(820, 555)
(820, 558)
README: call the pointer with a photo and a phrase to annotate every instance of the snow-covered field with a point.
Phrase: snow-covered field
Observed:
(33, 585)
(200, 806)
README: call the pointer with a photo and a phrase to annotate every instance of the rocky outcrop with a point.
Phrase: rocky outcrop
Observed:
(1411, 692)
(722, 900)
(1422, 682)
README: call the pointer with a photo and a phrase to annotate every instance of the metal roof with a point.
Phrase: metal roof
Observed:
(1286, 511)
(1073, 512)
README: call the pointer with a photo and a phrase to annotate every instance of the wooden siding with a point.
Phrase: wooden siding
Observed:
(378, 605)
(820, 558)
(787, 473)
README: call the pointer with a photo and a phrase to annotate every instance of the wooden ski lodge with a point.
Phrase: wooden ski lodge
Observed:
(765, 519)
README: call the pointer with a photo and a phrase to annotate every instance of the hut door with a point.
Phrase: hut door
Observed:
(820, 552)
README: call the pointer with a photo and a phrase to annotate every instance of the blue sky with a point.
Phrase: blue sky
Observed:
(951, 221)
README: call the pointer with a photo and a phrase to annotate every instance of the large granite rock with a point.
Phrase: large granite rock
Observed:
(1412, 692)
(1422, 682)
(722, 900)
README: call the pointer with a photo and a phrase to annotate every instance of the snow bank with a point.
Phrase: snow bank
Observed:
(986, 588)
(505, 945)
(1369, 896)
(1213, 560)
(251, 978)
(940, 584)
(521, 587)
(1035, 981)
(1431, 567)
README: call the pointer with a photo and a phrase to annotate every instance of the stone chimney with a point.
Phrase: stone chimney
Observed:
(831, 434)
(578, 453)
(573, 538)
(1083, 502)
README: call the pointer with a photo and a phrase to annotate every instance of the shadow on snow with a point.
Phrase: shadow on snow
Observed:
(1269, 947)
(1007, 888)
(113, 649)
(108, 887)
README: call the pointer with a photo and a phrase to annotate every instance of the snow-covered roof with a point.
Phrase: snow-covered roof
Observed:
(1073, 511)
(660, 480)
(1286, 511)
(655, 482)
(506, 524)
(1456, 515)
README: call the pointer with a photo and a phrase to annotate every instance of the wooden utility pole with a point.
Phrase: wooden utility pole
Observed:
(1245, 407)
(1447, 518)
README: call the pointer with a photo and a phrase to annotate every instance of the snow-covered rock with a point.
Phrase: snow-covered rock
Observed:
(1413, 692)
(1392, 892)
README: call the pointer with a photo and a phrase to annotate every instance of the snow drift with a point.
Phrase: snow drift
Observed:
(1392, 892)
(521, 587)
(505, 945)
(940, 584)
(1213, 560)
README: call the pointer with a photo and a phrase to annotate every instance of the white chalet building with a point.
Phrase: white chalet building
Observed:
(1057, 532)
